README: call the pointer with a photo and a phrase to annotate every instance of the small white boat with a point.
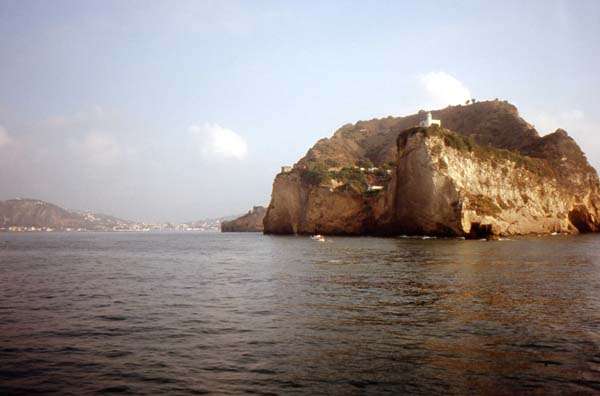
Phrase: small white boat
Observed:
(318, 238)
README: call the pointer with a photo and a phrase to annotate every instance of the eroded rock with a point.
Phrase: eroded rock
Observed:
(492, 174)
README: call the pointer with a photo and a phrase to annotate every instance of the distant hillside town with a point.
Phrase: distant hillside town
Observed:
(33, 215)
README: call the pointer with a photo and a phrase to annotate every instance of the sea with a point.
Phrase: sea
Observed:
(209, 313)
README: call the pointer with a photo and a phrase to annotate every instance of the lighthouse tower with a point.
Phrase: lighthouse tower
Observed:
(429, 121)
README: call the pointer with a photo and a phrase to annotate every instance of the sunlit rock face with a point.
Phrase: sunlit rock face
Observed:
(484, 172)
(448, 185)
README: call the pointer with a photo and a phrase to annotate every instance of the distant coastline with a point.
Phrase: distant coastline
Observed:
(22, 215)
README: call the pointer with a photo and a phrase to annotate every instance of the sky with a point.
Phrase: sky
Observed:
(183, 110)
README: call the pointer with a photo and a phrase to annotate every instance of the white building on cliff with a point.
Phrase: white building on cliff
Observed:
(429, 121)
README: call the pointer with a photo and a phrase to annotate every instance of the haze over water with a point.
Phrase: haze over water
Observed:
(233, 313)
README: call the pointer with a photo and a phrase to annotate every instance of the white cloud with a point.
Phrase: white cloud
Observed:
(444, 89)
(99, 149)
(216, 141)
(5, 138)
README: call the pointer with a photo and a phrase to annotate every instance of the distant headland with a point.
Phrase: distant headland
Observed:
(474, 170)
(34, 215)
(250, 222)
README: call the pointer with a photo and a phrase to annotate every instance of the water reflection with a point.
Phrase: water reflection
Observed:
(160, 313)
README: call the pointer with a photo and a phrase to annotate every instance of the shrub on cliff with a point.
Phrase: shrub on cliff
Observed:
(458, 142)
(315, 174)
(365, 163)
(349, 175)
(354, 187)
(382, 174)
(354, 179)
(485, 152)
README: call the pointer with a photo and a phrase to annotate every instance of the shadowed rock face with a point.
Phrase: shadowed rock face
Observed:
(250, 222)
(487, 172)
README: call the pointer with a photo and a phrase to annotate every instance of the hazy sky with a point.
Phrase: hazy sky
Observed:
(182, 110)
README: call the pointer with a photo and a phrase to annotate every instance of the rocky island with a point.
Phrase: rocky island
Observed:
(481, 171)
(250, 222)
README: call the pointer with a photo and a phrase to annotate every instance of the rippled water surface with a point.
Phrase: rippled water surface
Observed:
(247, 313)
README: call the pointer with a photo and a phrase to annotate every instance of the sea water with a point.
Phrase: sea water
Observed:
(194, 313)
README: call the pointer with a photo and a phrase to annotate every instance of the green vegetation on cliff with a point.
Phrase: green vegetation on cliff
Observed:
(486, 168)
(349, 178)
(467, 144)
(315, 174)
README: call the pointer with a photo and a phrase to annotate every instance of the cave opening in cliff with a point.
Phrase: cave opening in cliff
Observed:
(479, 231)
(581, 219)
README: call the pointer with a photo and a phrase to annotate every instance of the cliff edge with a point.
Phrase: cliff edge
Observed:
(250, 222)
(486, 172)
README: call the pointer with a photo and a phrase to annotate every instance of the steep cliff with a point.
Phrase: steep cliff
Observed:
(449, 185)
(250, 222)
(487, 172)
(298, 207)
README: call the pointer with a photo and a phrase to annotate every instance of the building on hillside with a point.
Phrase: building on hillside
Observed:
(429, 121)
(286, 169)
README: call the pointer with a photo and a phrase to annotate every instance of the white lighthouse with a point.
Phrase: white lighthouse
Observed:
(429, 121)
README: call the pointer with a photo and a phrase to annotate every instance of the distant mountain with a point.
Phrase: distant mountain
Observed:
(250, 222)
(22, 214)
(33, 214)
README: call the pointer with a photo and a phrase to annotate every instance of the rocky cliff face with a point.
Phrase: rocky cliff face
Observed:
(250, 222)
(300, 208)
(487, 172)
(447, 185)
